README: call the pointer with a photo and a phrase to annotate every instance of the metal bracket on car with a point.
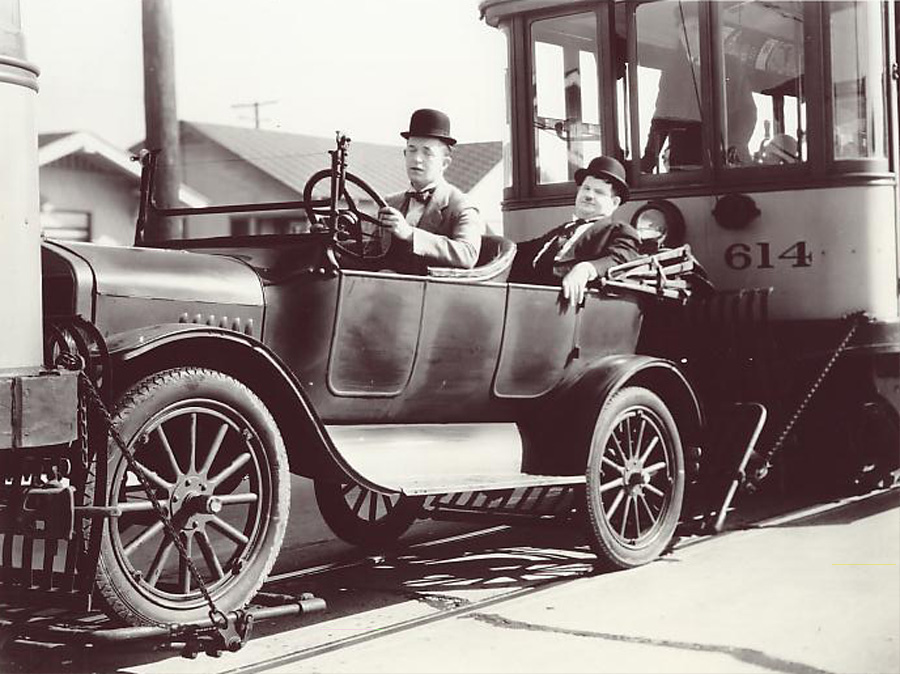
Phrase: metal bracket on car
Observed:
(47, 511)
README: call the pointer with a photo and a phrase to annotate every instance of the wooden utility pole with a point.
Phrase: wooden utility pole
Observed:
(160, 114)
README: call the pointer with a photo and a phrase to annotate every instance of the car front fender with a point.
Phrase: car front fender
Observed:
(140, 352)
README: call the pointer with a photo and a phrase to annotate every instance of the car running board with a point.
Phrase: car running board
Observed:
(456, 484)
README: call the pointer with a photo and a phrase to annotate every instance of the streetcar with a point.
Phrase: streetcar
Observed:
(765, 135)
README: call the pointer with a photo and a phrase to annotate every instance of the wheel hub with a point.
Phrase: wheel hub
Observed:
(192, 502)
(635, 477)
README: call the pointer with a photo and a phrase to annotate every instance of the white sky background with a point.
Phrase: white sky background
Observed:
(361, 66)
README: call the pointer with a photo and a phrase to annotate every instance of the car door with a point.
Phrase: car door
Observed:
(538, 342)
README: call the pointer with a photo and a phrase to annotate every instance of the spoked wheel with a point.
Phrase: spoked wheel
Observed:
(357, 231)
(216, 464)
(363, 517)
(635, 479)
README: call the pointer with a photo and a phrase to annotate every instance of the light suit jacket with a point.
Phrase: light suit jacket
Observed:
(449, 232)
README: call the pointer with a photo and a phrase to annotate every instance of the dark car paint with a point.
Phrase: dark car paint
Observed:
(136, 287)
(143, 350)
(361, 347)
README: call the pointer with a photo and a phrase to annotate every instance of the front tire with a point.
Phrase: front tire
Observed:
(217, 464)
(635, 479)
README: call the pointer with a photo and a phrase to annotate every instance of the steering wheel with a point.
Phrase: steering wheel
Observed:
(356, 232)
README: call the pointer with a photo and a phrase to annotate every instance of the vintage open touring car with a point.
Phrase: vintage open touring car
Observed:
(148, 435)
(228, 362)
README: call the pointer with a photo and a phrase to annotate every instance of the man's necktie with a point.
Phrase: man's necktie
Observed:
(552, 248)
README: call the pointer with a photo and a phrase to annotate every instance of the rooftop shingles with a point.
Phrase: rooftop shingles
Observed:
(472, 161)
(292, 158)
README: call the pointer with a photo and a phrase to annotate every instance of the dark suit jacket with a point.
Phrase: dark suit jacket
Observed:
(449, 232)
(606, 243)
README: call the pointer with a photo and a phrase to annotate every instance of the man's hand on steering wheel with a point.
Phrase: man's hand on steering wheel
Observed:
(393, 221)
(356, 232)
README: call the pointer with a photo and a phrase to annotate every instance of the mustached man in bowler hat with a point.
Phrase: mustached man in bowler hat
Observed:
(432, 223)
(584, 248)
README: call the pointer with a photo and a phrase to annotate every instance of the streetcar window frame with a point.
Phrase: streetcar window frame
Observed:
(863, 165)
(819, 166)
(526, 184)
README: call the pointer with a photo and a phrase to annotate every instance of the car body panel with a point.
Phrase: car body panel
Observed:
(360, 348)
(137, 287)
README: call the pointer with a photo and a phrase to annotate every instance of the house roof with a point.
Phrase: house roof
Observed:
(47, 138)
(472, 162)
(292, 158)
(86, 149)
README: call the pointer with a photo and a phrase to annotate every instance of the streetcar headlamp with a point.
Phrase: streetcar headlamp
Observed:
(659, 224)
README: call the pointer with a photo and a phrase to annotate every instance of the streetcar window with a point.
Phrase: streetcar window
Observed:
(670, 87)
(566, 97)
(762, 52)
(858, 79)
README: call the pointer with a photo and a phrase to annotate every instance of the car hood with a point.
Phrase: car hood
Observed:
(169, 274)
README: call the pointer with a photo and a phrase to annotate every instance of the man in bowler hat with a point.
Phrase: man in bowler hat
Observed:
(584, 248)
(432, 223)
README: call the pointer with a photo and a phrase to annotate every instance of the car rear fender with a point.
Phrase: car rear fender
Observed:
(141, 352)
(557, 434)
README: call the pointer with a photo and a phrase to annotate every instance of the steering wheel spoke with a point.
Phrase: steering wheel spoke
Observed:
(352, 218)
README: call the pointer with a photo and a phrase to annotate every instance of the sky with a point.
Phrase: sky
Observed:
(316, 66)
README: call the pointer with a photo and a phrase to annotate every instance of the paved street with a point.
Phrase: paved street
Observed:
(815, 591)
(818, 592)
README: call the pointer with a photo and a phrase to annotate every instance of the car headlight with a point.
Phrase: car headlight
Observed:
(660, 224)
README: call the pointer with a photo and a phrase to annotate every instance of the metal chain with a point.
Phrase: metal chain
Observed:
(762, 471)
(83, 432)
(75, 363)
(217, 617)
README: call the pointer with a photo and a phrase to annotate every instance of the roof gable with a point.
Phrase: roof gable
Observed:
(82, 149)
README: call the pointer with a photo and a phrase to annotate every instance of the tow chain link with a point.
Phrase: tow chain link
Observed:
(762, 471)
(216, 616)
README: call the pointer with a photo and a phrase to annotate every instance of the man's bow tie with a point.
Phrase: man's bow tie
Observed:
(421, 196)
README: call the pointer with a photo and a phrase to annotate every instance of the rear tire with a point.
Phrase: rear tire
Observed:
(364, 518)
(635, 479)
(217, 464)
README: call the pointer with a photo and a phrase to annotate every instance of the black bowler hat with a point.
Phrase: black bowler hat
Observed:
(428, 123)
(608, 169)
